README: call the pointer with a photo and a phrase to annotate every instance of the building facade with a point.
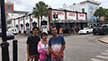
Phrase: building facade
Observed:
(66, 19)
(89, 6)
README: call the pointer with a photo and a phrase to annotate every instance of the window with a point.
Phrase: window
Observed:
(83, 10)
(94, 24)
(32, 16)
(9, 7)
(91, 11)
(96, 8)
(26, 17)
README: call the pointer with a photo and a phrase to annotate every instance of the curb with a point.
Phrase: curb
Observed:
(103, 41)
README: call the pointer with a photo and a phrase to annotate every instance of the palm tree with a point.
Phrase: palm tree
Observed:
(99, 12)
(40, 9)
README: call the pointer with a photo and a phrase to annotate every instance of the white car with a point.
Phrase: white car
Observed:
(13, 30)
(85, 31)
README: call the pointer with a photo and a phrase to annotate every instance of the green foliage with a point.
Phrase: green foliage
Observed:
(106, 15)
(40, 9)
(99, 12)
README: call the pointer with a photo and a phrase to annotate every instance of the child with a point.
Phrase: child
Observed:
(43, 48)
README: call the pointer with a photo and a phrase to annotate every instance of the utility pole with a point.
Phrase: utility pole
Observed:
(4, 44)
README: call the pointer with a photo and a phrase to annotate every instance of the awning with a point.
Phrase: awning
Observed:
(69, 21)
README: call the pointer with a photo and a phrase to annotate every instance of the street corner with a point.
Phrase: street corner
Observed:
(103, 39)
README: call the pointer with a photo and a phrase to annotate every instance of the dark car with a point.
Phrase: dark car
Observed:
(100, 30)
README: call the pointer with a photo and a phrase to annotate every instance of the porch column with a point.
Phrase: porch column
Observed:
(19, 25)
(30, 21)
(76, 15)
(65, 14)
(24, 23)
(85, 16)
(50, 17)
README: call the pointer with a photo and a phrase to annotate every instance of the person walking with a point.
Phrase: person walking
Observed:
(43, 48)
(56, 46)
(32, 43)
(76, 29)
(61, 31)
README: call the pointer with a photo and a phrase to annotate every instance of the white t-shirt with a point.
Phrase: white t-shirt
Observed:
(44, 47)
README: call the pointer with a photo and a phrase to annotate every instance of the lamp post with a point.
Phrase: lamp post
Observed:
(4, 44)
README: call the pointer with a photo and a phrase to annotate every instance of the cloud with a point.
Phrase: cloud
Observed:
(27, 5)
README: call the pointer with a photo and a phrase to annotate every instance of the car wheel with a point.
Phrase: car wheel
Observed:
(87, 32)
(104, 33)
(94, 33)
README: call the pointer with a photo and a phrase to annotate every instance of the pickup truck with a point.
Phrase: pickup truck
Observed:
(100, 30)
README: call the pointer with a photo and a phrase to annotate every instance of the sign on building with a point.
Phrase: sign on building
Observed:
(61, 14)
(81, 16)
(71, 16)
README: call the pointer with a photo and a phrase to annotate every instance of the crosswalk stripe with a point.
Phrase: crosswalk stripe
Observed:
(104, 57)
(94, 59)
(104, 53)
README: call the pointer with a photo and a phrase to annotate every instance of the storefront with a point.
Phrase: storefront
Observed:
(68, 19)
(69, 24)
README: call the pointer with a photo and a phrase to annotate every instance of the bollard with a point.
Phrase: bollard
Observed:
(5, 51)
(15, 52)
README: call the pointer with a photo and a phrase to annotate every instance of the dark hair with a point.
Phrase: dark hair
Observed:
(44, 33)
(52, 27)
(35, 28)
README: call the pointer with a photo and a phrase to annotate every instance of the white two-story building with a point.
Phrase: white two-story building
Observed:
(88, 6)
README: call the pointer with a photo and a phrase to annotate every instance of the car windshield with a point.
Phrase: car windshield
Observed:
(8, 33)
(85, 28)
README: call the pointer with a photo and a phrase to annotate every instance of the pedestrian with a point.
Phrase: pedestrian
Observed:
(43, 48)
(32, 43)
(56, 46)
(61, 31)
(76, 29)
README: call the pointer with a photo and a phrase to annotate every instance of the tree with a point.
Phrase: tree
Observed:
(40, 9)
(106, 15)
(99, 12)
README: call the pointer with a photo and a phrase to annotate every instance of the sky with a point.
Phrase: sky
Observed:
(27, 5)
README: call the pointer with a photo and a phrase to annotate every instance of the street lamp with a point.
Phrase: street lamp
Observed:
(4, 44)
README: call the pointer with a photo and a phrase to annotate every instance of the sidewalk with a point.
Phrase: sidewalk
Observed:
(103, 39)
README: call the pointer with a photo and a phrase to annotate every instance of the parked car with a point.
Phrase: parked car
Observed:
(9, 35)
(85, 30)
(13, 30)
(0, 32)
(100, 30)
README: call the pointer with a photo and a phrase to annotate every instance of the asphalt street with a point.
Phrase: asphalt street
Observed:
(78, 48)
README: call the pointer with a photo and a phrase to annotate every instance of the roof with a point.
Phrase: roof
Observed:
(19, 12)
(91, 1)
(14, 16)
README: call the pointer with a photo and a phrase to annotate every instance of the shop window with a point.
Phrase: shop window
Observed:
(83, 10)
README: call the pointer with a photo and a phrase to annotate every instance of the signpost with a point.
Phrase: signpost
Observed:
(4, 44)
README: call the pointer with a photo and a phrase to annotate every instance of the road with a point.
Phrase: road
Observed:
(78, 48)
